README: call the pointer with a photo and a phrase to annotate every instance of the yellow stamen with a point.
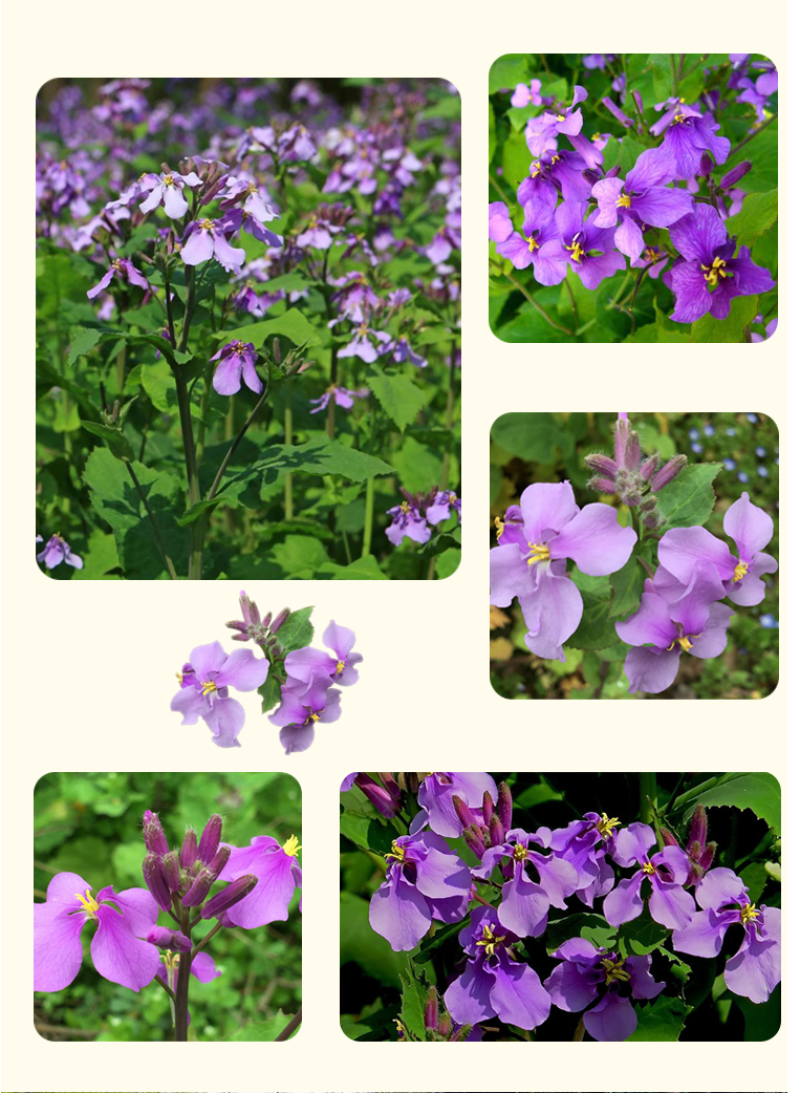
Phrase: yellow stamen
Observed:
(207, 225)
(500, 525)
(90, 905)
(648, 868)
(623, 201)
(715, 271)
(520, 852)
(116, 264)
(615, 973)
(490, 941)
(532, 244)
(209, 687)
(339, 667)
(405, 507)
(576, 251)
(651, 254)
(362, 330)
(179, 677)
(291, 846)
(541, 553)
(606, 826)
(741, 570)
(311, 717)
(684, 643)
(169, 180)
(397, 853)
(560, 117)
(452, 498)
(748, 913)
(536, 168)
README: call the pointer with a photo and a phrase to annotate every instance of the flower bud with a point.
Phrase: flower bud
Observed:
(649, 504)
(219, 861)
(279, 620)
(377, 796)
(698, 829)
(199, 889)
(388, 779)
(735, 175)
(649, 467)
(669, 471)
(169, 939)
(487, 808)
(154, 879)
(637, 98)
(154, 838)
(171, 868)
(235, 892)
(505, 806)
(463, 1034)
(474, 840)
(603, 464)
(411, 779)
(612, 108)
(602, 485)
(653, 521)
(463, 812)
(497, 835)
(706, 165)
(189, 849)
(668, 838)
(209, 840)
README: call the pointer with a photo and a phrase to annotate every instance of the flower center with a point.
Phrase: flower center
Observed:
(291, 846)
(560, 117)
(452, 498)
(490, 940)
(536, 168)
(405, 508)
(339, 667)
(116, 264)
(741, 570)
(540, 552)
(207, 225)
(500, 525)
(90, 905)
(209, 687)
(239, 348)
(684, 643)
(311, 717)
(362, 330)
(252, 188)
(623, 201)
(648, 868)
(520, 852)
(576, 251)
(606, 826)
(651, 253)
(715, 271)
(748, 913)
(169, 180)
(532, 244)
(615, 972)
(397, 853)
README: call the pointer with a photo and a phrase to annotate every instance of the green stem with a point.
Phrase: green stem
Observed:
(647, 793)
(120, 368)
(239, 437)
(173, 576)
(197, 534)
(288, 499)
(674, 72)
(545, 315)
(369, 507)
(753, 135)
(202, 944)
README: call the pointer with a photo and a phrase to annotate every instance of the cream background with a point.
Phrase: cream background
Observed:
(88, 668)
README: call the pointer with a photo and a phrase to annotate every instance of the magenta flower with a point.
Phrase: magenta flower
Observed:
(642, 199)
(123, 269)
(587, 974)
(300, 709)
(312, 666)
(688, 134)
(527, 94)
(435, 798)
(425, 881)
(539, 245)
(205, 682)
(755, 971)
(590, 249)
(278, 872)
(525, 904)
(682, 550)
(673, 619)
(119, 951)
(57, 550)
(531, 558)
(667, 871)
(709, 276)
(167, 188)
(493, 983)
(205, 239)
(237, 362)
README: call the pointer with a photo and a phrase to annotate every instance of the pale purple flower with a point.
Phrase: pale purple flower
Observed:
(342, 396)
(205, 682)
(366, 343)
(278, 872)
(540, 244)
(57, 550)
(301, 709)
(407, 523)
(167, 188)
(585, 844)
(311, 666)
(667, 871)
(527, 94)
(237, 362)
(590, 249)
(435, 798)
(443, 503)
(205, 239)
(124, 270)
(500, 226)
(401, 352)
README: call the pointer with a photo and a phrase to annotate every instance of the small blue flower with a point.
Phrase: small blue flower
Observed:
(763, 471)
(752, 418)
(769, 622)
(694, 434)
(709, 430)
(729, 464)
(731, 432)
(743, 477)
(761, 452)
(698, 448)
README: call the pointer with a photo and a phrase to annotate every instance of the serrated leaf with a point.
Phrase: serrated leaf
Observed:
(81, 340)
(662, 1020)
(299, 556)
(628, 585)
(743, 311)
(262, 1030)
(642, 936)
(297, 632)
(362, 569)
(114, 437)
(414, 997)
(292, 325)
(508, 71)
(688, 500)
(758, 213)
(758, 791)
(596, 629)
(399, 396)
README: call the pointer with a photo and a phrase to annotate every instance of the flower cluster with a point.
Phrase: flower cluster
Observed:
(305, 681)
(129, 946)
(417, 514)
(523, 883)
(684, 571)
(665, 213)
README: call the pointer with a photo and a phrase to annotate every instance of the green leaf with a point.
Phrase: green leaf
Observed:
(99, 558)
(534, 437)
(270, 691)
(81, 340)
(159, 385)
(516, 159)
(689, 498)
(743, 311)
(596, 629)
(366, 832)
(297, 632)
(593, 928)
(262, 1030)
(662, 1020)
(628, 585)
(398, 395)
(418, 466)
(538, 794)
(508, 71)
(113, 436)
(757, 215)
(412, 1010)
(657, 332)
(760, 792)
(299, 556)
(292, 325)
(642, 936)
(359, 943)
(447, 563)
(319, 456)
(362, 569)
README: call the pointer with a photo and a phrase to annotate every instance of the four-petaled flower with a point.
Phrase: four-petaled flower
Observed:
(205, 681)
(168, 188)
(237, 362)
(667, 870)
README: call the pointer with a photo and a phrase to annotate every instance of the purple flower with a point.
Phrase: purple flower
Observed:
(525, 904)
(119, 952)
(553, 173)
(755, 970)
(205, 239)
(237, 361)
(424, 881)
(530, 562)
(500, 226)
(203, 968)
(655, 258)
(407, 522)
(247, 193)
(57, 550)
(590, 249)
(355, 297)
(588, 973)
(527, 94)
(235, 219)
(585, 844)
(709, 276)
(311, 666)
(542, 132)
(667, 871)
(278, 872)
(435, 798)
(689, 134)
(205, 681)
(443, 503)
(641, 199)
(168, 188)
(493, 983)
(539, 245)
(342, 396)
(673, 619)
(366, 343)
(125, 270)
(682, 550)
(300, 710)
(401, 352)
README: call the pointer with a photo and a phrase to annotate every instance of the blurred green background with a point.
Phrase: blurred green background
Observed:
(91, 823)
(528, 448)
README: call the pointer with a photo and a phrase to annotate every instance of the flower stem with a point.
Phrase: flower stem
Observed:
(751, 136)
(545, 315)
(173, 576)
(290, 1028)
(369, 508)
(647, 793)
(288, 499)
(202, 944)
(237, 441)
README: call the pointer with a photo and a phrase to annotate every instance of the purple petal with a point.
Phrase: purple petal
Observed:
(755, 971)
(524, 906)
(552, 613)
(204, 968)
(269, 900)
(702, 936)
(398, 912)
(518, 996)
(226, 721)
(570, 988)
(243, 671)
(613, 1019)
(469, 998)
(643, 985)
(547, 506)
(296, 738)
(651, 671)
(670, 904)
(119, 955)
(749, 526)
(633, 844)
(625, 903)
